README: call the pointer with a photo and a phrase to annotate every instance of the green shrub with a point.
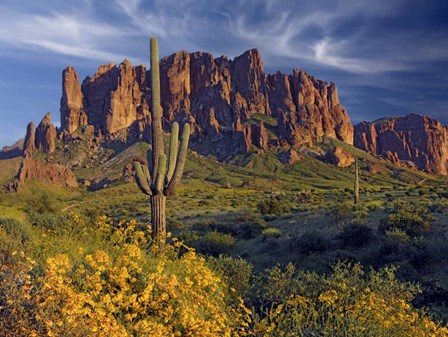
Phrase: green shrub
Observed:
(413, 219)
(270, 233)
(356, 235)
(41, 202)
(310, 242)
(236, 273)
(215, 244)
(189, 237)
(51, 221)
(340, 211)
(275, 205)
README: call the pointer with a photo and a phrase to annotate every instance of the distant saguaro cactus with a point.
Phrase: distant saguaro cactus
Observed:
(158, 179)
(356, 187)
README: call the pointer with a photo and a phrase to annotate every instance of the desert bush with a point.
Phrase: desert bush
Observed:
(215, 244)
(189, 237)
(127, 291)
(340, 212)
(274, 205)
(310, 242)
(345, 303)
(437, 247)
(41, 202)
(50, 221)
(236, 273)
(356, 235)
(270, 233)
(413, 219)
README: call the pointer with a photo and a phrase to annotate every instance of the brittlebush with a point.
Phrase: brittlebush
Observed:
(347, 303)
(126, 289)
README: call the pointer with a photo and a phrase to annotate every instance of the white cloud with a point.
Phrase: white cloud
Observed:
(329, 53)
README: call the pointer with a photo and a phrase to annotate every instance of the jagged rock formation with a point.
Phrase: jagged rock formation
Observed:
(45, 137)
(418, 139)
(339, 157)
(114, 97)
(217, 96)
(44, 172)
(29, 145)
(72, 114)
(306, 109)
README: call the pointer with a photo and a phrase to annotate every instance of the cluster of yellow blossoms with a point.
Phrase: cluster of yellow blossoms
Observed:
(130, 288)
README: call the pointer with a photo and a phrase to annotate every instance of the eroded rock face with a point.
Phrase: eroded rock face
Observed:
(340, 157)
(218, 96)
(72, 114)
(33, 169)
(318, 109)
(260, 136)
(114, 96)
(289, 157)
(45, 137)
(413, 138)
(306, 109)
(29, 143)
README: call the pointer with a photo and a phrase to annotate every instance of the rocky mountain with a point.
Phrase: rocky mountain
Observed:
(217, 96)
(418, 140)
(233, 107)
(15, 150)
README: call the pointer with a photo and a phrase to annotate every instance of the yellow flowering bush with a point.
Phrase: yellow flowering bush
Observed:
(124, 289)
(347, 303)
(124, 286)
(16, 295)
(131, 291)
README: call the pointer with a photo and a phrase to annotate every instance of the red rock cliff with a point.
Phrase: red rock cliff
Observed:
(419, 139)
(218, 96)
(114, 96)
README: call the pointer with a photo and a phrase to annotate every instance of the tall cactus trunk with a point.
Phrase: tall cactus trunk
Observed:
(158, 218)
(356, 187)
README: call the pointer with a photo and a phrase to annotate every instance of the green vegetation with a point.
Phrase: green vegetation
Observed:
(267, 249)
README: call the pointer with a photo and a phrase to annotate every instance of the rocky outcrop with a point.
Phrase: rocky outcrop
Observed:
(339, 157)
(72, 114)
(218, 96)
(306, 109)
(259, 135)
(29, 144)
(45, 137)
(289, 157)
(413, 138)
(33, 169)
(114, 97)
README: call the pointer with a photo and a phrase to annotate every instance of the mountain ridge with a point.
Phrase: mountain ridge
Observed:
(233, 107)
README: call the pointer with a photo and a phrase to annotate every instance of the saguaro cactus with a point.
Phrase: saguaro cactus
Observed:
(159, 178)
(356, 187)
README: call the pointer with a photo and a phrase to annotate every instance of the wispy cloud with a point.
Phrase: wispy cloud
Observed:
(389, 49)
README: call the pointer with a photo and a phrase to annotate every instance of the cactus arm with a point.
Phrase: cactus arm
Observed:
(160, 182)
(156, 111)
(142, 178)
(174, 147)
(180, 160)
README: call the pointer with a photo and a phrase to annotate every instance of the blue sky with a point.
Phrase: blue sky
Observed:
(388, 57)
